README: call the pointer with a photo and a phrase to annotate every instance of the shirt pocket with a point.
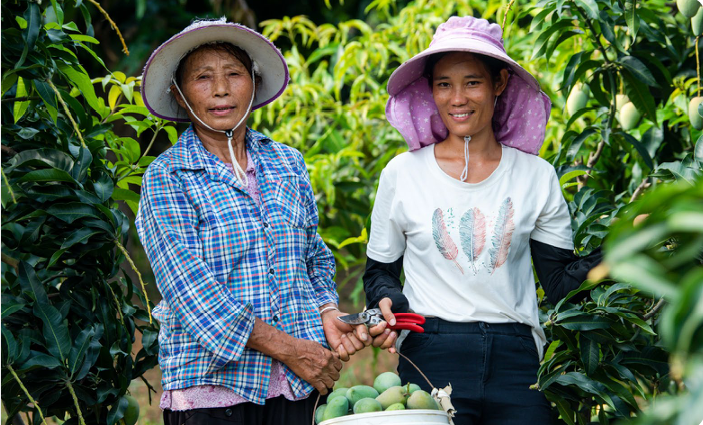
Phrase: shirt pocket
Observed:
(289, 202)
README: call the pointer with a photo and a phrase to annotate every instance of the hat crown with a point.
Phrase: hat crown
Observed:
(468, 27)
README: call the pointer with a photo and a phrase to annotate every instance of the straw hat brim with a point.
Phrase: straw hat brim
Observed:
(161, 66)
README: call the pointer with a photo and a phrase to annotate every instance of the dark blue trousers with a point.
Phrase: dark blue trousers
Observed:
(490, 367)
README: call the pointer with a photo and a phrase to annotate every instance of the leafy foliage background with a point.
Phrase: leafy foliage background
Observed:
(636, 339)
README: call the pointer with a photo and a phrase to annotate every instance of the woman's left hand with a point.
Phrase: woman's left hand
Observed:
(343, 338)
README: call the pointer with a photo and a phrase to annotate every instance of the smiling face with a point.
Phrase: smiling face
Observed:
(465, 91)
(218, 87)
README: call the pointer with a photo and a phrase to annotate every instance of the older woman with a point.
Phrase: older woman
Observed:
(229, 223)
(465, 214)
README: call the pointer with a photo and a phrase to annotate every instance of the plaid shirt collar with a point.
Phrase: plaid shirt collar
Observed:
(190, 154)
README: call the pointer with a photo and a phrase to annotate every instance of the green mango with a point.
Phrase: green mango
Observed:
(620, 101)
(339, 392)
(396, 406)
(688, 8)
(412, 388)
(578, 98)
(385, 381)
(359, 392)
(697, 22)
(422, 400)
(367, 405)
(693, 115)
(131, 414)
(319, 412)
(339, 406)
(393, 395)
(629, 116)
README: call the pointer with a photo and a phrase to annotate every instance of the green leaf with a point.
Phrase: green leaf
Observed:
(8, 82)
(34, 22)
(37, 359)
(78, 76)
(84, 38)
(113, 95)
(47, 176)
(541, 43)
(590, 353)
(72, 211)
(633, 21)
(173, 134)
(10, 342)
(590, 7)
(639, 70)
(103, 187)
(79, 349)
(117, 411)
(639, 94)
(571, 175)
(79, 236)
(58, 11)
(20, 108)
(83, 161)
(585, 322)
(11, 304)
(641, 149)
(55, 332)
(45, 92)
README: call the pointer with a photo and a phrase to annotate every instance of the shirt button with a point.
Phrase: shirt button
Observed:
(270, 271)
(266, 224)
(228, 412)
(275, 318)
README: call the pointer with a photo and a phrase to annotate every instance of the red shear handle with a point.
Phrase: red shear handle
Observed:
(407, 325)
(410, 317)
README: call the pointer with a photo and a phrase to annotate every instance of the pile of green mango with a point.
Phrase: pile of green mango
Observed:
(387, 393)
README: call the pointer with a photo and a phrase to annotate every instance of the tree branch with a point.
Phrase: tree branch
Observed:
(651, 313)
(644, 185)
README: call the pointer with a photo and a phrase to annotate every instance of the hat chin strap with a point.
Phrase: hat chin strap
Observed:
(239, 173)
(465, 171)
(467, 139)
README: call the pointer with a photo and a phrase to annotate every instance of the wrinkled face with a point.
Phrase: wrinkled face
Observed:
(217, 86)
(464, 93)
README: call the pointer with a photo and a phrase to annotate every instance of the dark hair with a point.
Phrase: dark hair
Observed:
(224, 46)
(493, 65)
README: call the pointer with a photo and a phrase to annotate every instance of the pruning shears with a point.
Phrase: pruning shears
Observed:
(372, 317)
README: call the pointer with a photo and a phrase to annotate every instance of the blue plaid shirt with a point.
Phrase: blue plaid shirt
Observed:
(220, 261)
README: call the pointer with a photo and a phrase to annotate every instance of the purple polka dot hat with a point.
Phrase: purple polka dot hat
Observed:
(521, 111)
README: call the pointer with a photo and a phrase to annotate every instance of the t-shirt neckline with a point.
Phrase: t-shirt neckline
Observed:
(505, 158)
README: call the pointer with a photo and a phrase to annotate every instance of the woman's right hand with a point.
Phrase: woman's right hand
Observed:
(315, 364)
(382, 337)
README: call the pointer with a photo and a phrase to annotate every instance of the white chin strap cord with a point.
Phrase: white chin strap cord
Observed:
(465, 171)
(238, 171)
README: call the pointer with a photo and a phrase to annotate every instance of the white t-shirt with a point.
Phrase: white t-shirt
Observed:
(466, 246)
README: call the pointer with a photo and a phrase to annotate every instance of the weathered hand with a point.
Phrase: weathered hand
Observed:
(315, 364)
(383, 337)
(343, 338)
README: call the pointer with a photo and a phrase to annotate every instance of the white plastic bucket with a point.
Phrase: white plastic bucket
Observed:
(394, 417)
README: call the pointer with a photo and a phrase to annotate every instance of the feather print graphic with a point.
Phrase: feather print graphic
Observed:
(472, 234)
(502, 233)
(445, 244)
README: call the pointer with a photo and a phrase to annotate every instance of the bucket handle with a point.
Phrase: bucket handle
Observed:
(314, 409)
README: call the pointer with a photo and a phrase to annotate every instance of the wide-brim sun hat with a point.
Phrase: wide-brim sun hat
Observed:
(161, 66)
(521, 112)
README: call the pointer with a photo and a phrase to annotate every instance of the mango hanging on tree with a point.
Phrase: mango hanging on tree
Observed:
(697, 23)
(693, 115)
(629, 116)
(688, 8)
(577, 98)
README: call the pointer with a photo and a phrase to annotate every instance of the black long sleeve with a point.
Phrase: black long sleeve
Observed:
(560, 271)
(383, 280)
